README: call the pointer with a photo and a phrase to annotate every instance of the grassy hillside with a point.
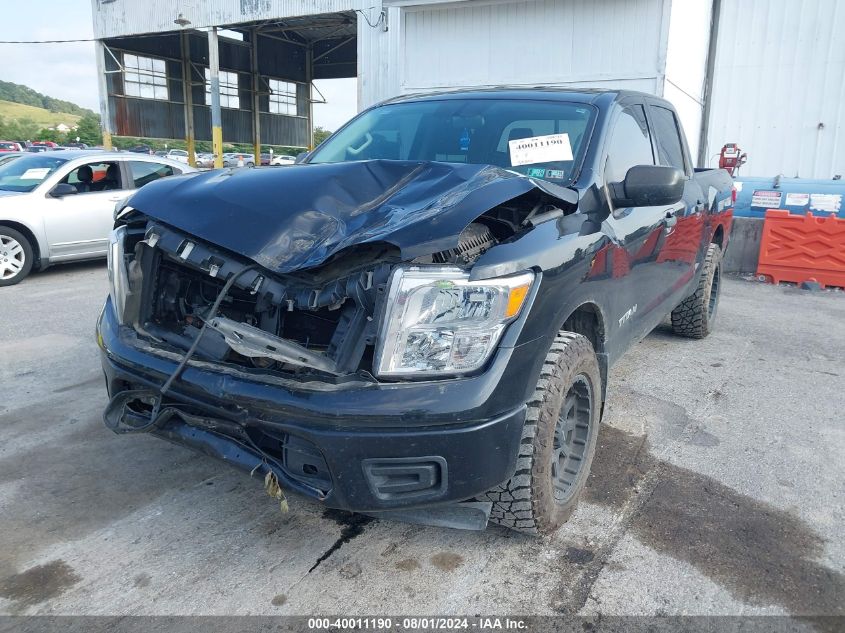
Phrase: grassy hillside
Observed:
(18, 93)
(42, 117)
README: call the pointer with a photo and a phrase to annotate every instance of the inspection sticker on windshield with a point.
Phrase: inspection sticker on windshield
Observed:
(540, 149)
(36, 173)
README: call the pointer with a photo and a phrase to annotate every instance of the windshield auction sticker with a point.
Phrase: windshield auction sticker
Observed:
(36, 173)
(540, 149)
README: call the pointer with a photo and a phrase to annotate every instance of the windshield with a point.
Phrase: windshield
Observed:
(541, 139)
(27, 172)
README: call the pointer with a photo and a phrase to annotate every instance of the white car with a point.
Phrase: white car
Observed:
(238, 159)
(59, 206)
(179, 155)
(283, 159)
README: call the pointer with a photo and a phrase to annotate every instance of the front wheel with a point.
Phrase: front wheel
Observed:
(695, 316)
(558, 442)
(15, 256)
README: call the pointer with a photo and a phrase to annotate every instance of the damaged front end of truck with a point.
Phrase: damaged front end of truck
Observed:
(259, 315)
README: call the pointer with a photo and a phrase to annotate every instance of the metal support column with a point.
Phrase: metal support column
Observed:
(214, 80)
(188, 99)
(256, 81)
(309, 79)
(704, 132)
(105, 118)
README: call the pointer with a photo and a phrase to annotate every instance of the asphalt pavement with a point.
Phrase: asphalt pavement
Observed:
(717, 489)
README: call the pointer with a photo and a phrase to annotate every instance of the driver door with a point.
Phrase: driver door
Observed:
(78, 225)
(641, 277)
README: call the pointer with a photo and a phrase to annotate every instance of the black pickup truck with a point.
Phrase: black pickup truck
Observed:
(418, 319)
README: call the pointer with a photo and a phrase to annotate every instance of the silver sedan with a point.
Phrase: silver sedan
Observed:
(58, 206)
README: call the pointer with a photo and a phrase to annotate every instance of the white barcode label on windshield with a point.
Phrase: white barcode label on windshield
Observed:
(36, 173)
(540, 149)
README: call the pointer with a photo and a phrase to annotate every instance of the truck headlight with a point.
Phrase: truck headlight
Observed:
(118, 275)
(438, 322)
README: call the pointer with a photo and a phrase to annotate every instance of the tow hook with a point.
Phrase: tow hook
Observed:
(135, 411)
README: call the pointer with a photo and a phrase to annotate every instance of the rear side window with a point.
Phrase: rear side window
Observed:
(670, 151)
(630, 144)
(144, 172)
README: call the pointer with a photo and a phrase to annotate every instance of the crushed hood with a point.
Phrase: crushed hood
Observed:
(297, 217)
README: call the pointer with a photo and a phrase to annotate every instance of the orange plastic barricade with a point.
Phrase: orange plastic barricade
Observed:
(801, 248)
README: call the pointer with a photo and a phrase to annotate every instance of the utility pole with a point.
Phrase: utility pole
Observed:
(216, 116)
(105, 118)
(256, 116)
(188, 99)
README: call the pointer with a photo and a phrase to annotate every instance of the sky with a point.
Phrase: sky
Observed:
(68, 71)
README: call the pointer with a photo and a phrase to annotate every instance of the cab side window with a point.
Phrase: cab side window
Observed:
(95, 177)
(630, 144)
(670, 150)
(144, 172)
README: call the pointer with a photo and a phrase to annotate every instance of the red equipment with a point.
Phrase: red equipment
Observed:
(731, 158)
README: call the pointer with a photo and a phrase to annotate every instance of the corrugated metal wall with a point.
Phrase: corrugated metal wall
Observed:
(114, 18)
(581, 43)
(779, 86)
(612, 43)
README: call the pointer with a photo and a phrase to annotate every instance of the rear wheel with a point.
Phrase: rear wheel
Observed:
(558, 442)
(696, 315)
(15, 256)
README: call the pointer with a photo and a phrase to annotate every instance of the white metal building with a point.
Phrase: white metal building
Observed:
(766, 74)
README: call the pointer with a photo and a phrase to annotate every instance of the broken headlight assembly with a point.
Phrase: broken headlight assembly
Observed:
(118, 274)
(438, 322)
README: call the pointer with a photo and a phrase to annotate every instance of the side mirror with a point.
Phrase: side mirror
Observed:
(647, 186)
(62, 189)
(300, 157)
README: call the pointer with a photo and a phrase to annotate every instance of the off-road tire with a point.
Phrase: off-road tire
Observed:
(526, 502)
(694, 317)
(28, 255)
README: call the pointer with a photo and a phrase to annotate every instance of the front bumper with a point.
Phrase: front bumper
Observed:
(358, 446)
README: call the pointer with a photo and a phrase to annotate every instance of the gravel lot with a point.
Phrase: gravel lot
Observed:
(717, 489)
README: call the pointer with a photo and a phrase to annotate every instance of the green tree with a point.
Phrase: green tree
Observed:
(18, 129)
(51, 135)
(88, 130)
(320, 135)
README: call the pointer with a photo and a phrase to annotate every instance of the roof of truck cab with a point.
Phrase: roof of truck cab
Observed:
(546, 93)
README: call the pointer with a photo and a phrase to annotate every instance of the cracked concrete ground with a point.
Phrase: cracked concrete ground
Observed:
(717, 489)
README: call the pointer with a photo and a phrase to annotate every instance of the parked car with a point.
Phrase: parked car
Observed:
(238, 159)
(58, 206)
(46, 145)
(429, 313)
(179, 155)
(141, 149)
(6, 157)
(75, 145)
(10, 146)
(283, 159)
(265, 158)
(205, 160)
